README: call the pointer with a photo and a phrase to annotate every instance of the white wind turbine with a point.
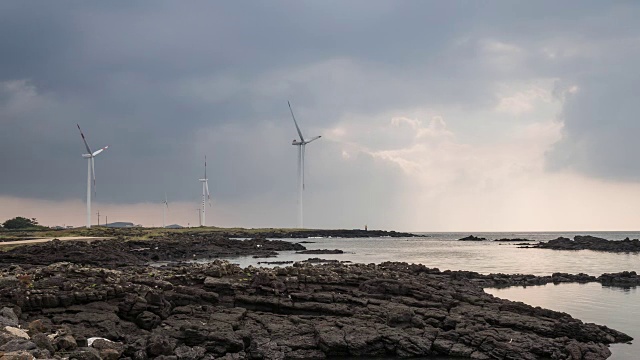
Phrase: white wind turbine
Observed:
(205, 195)
(91, 172)
(301, 147)
(165, 206)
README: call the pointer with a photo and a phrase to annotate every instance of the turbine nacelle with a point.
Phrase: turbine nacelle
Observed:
(305, 142)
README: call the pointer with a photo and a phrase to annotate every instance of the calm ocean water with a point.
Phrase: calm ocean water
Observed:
(616, 308)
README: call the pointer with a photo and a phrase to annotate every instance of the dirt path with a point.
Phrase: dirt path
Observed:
(42, 240)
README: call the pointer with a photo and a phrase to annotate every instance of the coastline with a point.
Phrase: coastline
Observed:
(301, 311)
(337, 309)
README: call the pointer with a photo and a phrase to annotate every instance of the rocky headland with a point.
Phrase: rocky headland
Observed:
(588, 242)
(118, 252)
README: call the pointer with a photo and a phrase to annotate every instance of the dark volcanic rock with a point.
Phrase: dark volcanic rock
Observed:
(275, 262)
(219, 310)
(177, 247)
(319, 261)
(591, 243)
(472, 238)
(621, 279)
(512, 240)
(318, 252)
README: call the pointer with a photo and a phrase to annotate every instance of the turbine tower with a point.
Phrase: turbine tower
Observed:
(165, 206)
(205, 195)
(91, 172)
(301, 147)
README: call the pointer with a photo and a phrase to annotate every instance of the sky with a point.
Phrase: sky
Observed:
(434, 115)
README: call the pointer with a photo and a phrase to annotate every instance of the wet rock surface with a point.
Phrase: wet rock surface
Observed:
(590, 243)
(219, 310)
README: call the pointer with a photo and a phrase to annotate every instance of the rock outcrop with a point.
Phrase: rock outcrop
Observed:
(591, 243)
(118, 252)
(219, 310)
(472, 238)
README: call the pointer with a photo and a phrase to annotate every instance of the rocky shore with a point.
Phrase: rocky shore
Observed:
(590, 243)
(221, 311)
(101, 300)
(118, 252)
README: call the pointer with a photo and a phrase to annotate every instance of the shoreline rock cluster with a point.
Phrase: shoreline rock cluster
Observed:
(477, 238)
(588, 242)
(219, 310)
(624, 279)
(118, 252)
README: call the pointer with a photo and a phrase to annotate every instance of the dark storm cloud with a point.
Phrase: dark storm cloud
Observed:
(150, 77)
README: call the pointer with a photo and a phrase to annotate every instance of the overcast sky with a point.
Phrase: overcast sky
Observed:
(434, 115)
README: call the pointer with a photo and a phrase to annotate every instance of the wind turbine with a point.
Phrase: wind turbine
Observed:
(205, 195)
(91, 172)
(301, 147)
(165, 206)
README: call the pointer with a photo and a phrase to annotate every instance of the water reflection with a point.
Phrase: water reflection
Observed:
(613, 307)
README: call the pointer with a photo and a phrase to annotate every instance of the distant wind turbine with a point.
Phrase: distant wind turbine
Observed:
(205, 195)
(165, 206)
(301, 147)
(91, 172)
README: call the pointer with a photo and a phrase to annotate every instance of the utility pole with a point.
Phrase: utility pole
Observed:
(106, 220)
(98, 217)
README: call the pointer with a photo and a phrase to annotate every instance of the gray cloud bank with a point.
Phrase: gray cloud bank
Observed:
(164, 83)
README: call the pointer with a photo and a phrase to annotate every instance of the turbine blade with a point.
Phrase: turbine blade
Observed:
(100, 150)
(313, 138)
(85, 140)
(206, 185)
(295, 122)
(205, 166)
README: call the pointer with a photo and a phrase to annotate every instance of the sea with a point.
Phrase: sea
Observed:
(617, 308)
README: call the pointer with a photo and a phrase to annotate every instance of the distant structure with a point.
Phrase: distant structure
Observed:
(91, 172)
(205, 195)
(165, 206)
(174, 226)
(301, 147)
(120, 225)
